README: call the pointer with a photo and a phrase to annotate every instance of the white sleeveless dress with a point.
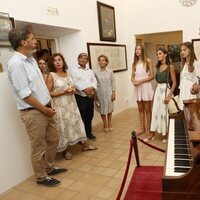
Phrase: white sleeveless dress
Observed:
(144, 91)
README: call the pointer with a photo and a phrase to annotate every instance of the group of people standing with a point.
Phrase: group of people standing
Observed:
(142, 74)
(56, 104)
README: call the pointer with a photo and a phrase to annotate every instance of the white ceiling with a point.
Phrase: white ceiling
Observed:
(46, 31)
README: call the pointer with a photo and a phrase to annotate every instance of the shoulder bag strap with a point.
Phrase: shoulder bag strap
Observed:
(167, 80)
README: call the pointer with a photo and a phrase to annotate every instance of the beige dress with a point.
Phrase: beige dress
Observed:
(68, 118)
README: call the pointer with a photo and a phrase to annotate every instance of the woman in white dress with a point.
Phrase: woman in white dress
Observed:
(68, 118)
(142, 74)
(105, 93)
(165, 73)
(190, 71)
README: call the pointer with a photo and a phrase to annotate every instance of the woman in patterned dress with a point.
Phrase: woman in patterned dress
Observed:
(165, 73)
(68, 119)
(105, 93)
(142, 74)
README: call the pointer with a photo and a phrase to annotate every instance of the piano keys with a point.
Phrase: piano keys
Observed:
(178, 149)
(181, 178)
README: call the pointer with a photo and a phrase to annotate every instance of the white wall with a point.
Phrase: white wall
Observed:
(132, 17)
(14, 147)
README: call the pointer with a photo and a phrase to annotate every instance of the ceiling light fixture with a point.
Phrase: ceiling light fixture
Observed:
(188, 3)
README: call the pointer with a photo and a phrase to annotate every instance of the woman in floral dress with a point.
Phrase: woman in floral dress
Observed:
(69, 122)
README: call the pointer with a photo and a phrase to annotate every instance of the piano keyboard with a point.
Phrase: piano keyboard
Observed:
(178, 160)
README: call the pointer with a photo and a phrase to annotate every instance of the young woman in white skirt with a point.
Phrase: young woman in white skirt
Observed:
(165, 74)
(190, 72)
(142, 74)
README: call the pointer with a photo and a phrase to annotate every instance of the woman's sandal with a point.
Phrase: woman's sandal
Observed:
(67, 155)
(150, 138)
(89, 148)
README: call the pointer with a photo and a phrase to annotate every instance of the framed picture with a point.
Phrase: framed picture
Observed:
(106, 19)
(159, 46)
(39, 46)
(168, 47)
(196, 45)
(138, 41)
(115, 53)
(6, 24)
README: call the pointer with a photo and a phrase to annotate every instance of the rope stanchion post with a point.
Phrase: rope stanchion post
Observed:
(132, 143)
(134, 138)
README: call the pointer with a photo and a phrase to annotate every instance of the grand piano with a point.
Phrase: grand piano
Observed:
(181, 178)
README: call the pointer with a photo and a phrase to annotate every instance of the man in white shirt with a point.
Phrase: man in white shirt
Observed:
(85, 84)
(33, 101)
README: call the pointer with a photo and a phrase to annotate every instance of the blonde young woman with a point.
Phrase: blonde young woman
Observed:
(142, 74)
(189, 73)
(165, 74)
(105, 93)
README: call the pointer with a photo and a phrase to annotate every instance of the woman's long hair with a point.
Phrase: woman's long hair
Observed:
(191, 54)
(167, 60)
(144, 58)
(51, 65)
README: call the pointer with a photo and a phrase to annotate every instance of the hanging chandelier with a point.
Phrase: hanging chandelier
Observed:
(188, 3)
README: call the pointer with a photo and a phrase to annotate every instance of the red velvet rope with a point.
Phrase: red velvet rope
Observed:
(150, 145)
(126, 171)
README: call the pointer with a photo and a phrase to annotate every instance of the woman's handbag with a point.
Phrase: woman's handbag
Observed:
(173, 105)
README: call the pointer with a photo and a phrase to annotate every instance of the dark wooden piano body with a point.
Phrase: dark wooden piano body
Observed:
(187, 186)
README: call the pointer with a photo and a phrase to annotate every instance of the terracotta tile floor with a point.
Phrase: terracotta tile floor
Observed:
(94, 175)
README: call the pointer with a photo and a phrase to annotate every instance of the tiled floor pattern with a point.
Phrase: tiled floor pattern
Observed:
(94, 175)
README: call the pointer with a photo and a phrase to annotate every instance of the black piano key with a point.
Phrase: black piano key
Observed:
(180, 137)
(183, 156)
(180, 142)
(181, 151)
(180, 169)
(183, 146)
(182, 163)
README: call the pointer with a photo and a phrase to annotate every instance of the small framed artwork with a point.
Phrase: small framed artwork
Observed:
(115, 53)
(196, 45)
(138, 41)
(168, 47)
(106, 19)
(39, 46)
(159, 46)
(6, 24)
